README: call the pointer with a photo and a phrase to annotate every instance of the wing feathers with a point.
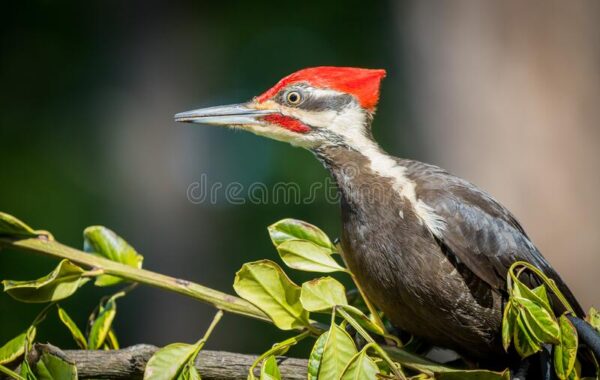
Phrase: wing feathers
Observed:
(480, 232)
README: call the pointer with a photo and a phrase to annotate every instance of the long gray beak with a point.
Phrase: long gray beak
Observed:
(234, 114)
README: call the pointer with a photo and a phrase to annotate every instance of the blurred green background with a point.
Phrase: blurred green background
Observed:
(87, 137)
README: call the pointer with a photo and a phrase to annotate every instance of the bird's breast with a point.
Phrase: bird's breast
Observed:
(404, 271)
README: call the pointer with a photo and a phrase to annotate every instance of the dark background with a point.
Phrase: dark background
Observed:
(504, 94)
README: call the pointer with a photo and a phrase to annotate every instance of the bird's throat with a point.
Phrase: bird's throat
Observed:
(356, 174)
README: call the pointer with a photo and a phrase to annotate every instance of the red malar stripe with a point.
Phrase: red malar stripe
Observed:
(288, 123)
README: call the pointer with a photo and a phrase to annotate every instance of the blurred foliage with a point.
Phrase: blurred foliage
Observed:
(77, 79)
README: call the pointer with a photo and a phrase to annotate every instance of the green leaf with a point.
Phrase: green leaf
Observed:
(13, 227)
(539, 296)
(476, 374)
(322, 294)
(59, 284)
(316, 354)
(337, 352)
(362, 319)
(541, 292)
(264, 284)
(111, 340)
(593, 318)
(270, 370)
(105, 243)
(15, 347)
(189, 372)
(9, 374)
(169, 362)
(508, 325)
(292, 229)
(26, 371)
(541, 323)
(103, 323)
(307, 256)
(280, 348)
(576, 373)
(177, 360)
(421, 364)
(525, 344)
(72, 326)
(53, 364)
(360, 367)
(565, 353)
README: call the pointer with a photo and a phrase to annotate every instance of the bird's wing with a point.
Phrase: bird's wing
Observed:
(481, 233)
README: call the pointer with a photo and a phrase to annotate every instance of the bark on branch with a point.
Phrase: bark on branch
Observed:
(129, 363)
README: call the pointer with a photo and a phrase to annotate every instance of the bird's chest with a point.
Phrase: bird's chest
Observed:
(401, 268)
(391, 251)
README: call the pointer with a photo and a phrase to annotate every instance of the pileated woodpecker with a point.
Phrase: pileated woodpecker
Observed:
(431, 250)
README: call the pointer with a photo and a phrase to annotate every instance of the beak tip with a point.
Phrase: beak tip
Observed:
(182, 117)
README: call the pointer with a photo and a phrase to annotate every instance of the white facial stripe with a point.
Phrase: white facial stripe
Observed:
(351, 125)
(324, 92)
(319, 119)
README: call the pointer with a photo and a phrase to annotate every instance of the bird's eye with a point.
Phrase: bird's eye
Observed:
(294, 98)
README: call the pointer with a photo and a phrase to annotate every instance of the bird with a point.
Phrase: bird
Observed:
(430, 249)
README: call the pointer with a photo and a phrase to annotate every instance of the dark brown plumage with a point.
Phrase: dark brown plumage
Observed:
(448, 290)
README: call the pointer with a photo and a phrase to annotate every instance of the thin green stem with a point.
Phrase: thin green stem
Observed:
(372, 310)
(279, 349)
(42, 314)
(93, 273)
(216, 298)
(396, 369)
(209, 330)
(211, 327)
(10, 373)
(359, 329)
(551, 284)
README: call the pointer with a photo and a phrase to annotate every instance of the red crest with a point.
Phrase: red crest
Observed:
(362, 83)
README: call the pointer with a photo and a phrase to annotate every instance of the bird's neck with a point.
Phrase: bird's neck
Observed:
(368, 178)
(371, 181)
(364, 173)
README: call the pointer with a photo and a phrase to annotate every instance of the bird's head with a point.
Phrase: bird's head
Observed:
(309, 108)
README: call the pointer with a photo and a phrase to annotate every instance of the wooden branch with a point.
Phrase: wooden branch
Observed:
(129, 363)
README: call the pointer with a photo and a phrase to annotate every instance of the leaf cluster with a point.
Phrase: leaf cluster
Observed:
(355, 344)
(348, 348)
(529, 322)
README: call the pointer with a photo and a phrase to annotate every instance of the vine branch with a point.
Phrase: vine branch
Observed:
(220, 300)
